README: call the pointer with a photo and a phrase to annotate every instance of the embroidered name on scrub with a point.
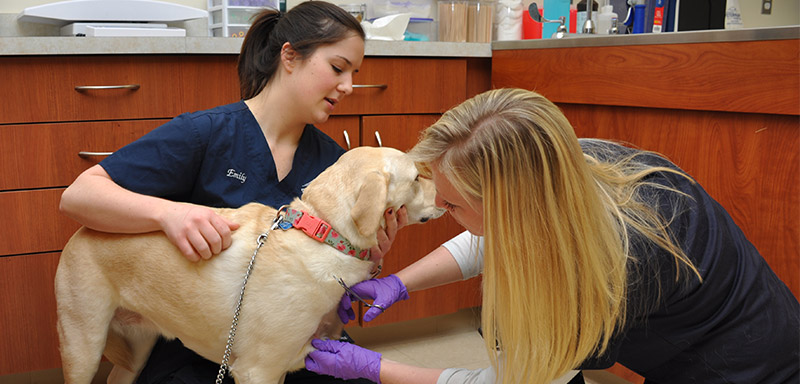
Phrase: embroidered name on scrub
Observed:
(237, 175)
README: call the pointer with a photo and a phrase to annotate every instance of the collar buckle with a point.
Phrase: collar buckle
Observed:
(315, 228)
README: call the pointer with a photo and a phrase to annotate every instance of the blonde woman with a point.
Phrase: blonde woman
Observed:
(591, 253)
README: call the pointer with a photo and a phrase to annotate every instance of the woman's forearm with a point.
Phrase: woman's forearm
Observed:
(435, 269)
(393, 372)
(94, 200)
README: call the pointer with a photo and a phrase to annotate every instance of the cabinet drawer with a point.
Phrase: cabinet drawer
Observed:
(413, 85)
(47, 155)
(28, 338)
(31, 222)
(38, 89)
(43, 88)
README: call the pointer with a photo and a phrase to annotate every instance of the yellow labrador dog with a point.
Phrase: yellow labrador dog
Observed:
(116, 293)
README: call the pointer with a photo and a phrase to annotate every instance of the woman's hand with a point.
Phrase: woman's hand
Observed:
(344, 360)
(197, 231)
(394, 221)
(384, 292)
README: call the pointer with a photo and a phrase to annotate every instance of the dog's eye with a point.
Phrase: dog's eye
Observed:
(416, 178)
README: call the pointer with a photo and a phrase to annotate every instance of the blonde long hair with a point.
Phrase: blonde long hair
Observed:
(556, 222)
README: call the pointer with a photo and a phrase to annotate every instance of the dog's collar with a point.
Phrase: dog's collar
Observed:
(321, 231)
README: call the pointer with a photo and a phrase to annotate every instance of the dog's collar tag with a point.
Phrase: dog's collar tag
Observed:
(321, 231)
(284, 225)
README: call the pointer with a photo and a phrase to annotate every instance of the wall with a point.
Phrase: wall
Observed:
(784, 12)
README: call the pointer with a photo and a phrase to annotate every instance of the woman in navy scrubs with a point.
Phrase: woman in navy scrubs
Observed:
(294, 69)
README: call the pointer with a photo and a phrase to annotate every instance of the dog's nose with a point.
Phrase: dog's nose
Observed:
(424, 219)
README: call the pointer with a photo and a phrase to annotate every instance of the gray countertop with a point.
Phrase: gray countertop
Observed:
(709, 36)
(46, 45)
(56, 45)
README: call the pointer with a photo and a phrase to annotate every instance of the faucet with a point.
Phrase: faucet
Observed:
(588, 25)
(561, 32)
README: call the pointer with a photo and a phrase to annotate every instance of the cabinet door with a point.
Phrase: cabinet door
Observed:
(31, 222)
(28, 338)
(396, 131)
(413, 242)
(344, 129)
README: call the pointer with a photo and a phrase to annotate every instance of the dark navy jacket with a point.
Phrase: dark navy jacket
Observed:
(740, 325)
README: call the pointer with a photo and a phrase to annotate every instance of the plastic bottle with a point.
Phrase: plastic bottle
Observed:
(638, 16)
(658, 17)
(553, 9)
(573, 16)
(604, 18)
(733, 15)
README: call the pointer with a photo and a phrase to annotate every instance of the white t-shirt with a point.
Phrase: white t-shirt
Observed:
(467, 249)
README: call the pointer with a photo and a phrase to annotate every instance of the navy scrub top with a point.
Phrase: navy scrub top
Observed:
(218, 158)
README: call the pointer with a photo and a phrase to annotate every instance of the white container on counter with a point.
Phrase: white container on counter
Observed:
(232, 18)
(508, 20)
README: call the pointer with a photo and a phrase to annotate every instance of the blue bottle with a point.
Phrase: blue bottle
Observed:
(552, 10)
(638, 18)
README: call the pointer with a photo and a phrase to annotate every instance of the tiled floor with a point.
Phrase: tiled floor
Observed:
(437, 342)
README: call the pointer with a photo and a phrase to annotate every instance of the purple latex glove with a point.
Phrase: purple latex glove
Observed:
(344, 360)
(384, 291)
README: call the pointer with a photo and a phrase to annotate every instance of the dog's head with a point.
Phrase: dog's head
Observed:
(353, 193)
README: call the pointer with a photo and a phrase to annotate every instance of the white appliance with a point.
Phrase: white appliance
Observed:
(112, 17)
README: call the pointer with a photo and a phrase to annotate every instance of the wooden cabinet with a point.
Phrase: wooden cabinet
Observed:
(726, 113)
(50, 132)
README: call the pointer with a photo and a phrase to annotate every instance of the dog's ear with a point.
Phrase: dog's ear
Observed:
(371, 200)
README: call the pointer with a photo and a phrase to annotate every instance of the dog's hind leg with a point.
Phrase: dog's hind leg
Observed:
(85, 304)
(82, 330)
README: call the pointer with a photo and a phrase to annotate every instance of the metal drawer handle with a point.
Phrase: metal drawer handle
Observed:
(85, 154)
(381, 86)
(92, 87)
(347, 139)
(378, 137)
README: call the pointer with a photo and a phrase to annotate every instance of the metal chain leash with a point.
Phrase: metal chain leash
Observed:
(223, 368)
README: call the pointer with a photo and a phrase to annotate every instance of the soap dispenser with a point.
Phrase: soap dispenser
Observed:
(604, 18)
(553, 9)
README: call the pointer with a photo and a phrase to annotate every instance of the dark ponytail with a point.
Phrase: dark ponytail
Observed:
(306, 27)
